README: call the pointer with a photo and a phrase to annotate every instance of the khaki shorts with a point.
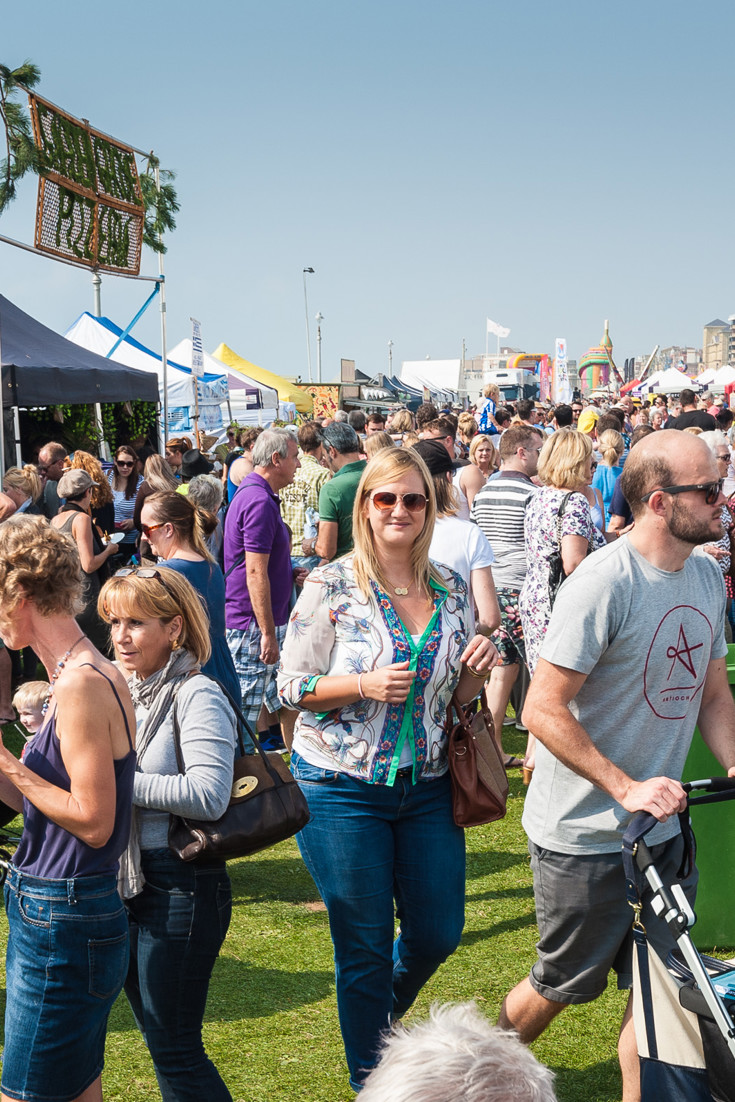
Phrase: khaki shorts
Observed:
(585, 921)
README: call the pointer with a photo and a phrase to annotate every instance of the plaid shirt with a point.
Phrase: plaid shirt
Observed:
(302, 494)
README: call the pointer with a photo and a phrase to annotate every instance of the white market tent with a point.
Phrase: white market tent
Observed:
(250, 402)
(100, 335)
(669, 382)
(441, 377)
(707, 376)
(723, 377)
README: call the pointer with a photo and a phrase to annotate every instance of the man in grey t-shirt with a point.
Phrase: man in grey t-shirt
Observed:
(633, 659)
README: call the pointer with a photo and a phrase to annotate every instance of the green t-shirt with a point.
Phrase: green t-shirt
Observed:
(336, 499)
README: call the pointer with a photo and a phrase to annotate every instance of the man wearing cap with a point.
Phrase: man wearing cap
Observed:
(337, 496)
(468, 478)
(192, 464)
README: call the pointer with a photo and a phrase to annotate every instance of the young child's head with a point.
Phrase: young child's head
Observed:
(28, 702)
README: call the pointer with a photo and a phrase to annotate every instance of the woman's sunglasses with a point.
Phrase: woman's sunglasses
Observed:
(143, 572)
(385, 500)
(146, 529)
(124, 462)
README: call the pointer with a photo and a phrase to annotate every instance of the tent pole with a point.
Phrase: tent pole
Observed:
(2, 413)
(164, 362)
(104, 447)
(16, 424)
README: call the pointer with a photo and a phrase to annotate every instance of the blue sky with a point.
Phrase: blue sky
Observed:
(548, 166)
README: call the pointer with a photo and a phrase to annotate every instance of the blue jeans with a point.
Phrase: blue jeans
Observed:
(177, 926)
(366, 846)
(66, 962)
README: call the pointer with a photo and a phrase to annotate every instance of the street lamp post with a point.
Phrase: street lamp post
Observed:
(307, 271)
(319, 319)
(390, 359)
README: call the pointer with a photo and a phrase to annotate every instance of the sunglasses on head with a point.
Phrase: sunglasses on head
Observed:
(143, 572)
(385, 500)
(711, 490)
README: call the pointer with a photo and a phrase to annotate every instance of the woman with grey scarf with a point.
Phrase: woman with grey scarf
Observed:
(178, 912)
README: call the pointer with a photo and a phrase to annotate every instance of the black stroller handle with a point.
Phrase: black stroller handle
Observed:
(719, 788)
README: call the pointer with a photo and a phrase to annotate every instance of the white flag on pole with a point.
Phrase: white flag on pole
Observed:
(497, 330)
(197, 349)
(561, 388)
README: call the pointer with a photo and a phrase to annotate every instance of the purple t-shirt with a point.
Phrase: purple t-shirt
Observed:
(254, 523)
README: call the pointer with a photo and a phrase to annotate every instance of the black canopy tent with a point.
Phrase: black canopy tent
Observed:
(42, 368)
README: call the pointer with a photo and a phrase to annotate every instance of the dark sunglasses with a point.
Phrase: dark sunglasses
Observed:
(143, 572)
(146, 529)
(124, 462)
(385, 500)
(711, 490)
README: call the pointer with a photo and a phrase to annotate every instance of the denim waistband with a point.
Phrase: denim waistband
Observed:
(76, 887)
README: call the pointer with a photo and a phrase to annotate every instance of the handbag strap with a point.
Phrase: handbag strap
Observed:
(456, 705)
(241, 726)
(559, 514)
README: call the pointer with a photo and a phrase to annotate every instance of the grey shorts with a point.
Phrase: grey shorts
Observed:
(585, 921)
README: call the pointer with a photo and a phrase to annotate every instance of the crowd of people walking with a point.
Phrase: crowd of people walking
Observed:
(343, 582)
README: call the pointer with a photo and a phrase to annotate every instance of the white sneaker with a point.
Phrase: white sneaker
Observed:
(509, 721)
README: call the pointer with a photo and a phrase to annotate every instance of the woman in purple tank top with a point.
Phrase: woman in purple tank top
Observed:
(68, 941)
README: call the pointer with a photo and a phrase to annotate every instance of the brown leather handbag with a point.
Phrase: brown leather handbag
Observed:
(266, 804)
(479, 779)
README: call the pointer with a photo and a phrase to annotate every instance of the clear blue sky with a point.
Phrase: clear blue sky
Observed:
(546, 165)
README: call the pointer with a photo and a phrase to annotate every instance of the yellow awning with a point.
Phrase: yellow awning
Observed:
(287, 392)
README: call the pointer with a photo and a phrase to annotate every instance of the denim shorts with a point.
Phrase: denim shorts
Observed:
(66, 963)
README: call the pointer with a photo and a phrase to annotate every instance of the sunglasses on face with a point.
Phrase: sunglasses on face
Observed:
(711, 490)
(146, 529)
(385, 500)
(124, 462)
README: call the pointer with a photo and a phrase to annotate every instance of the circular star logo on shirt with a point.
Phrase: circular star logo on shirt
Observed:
(677, 662)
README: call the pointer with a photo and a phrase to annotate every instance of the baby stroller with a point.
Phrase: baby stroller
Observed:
(683, 1011)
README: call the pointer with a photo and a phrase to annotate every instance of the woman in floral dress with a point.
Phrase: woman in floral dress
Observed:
(565, 468)
(378, 642)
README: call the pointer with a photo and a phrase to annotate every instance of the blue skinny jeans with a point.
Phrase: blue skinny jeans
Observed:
(376, 853)
(177, 926)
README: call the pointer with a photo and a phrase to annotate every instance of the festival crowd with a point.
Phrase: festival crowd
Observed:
(342, 582)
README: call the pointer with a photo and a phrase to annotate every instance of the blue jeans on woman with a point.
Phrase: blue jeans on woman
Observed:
(376, 852)
(177, 926)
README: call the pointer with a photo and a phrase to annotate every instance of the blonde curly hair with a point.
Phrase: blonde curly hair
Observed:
(41, 564)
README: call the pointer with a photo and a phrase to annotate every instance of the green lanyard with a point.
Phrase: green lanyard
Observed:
(407, 731)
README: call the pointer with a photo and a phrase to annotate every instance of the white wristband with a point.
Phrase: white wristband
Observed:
(359, 686)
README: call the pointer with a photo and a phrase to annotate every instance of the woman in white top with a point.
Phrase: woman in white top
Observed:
(459, 543)
(378, 642)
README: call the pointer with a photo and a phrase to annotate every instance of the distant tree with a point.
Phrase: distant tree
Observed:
(21, 155)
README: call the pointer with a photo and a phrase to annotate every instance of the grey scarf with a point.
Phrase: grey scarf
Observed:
(157, 694)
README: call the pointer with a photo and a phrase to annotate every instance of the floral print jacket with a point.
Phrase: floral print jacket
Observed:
(335, 630)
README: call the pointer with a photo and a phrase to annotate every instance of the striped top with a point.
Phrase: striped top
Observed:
(124, 506)
(499, 510)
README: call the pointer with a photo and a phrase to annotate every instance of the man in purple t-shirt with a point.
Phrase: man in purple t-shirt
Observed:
(259, 576)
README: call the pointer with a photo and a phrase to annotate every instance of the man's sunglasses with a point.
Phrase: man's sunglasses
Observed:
(711, 490)
(385, 500)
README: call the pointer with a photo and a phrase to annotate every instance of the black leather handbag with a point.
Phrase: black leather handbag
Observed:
(266, 804)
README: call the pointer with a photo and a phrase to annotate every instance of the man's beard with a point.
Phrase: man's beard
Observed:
(689, 529)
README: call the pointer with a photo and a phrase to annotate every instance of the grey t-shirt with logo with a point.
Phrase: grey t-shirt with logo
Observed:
(645, 638)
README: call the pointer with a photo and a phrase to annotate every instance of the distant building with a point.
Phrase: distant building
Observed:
(716, 343)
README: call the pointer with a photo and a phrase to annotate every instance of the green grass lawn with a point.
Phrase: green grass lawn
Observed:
(271, 1023)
